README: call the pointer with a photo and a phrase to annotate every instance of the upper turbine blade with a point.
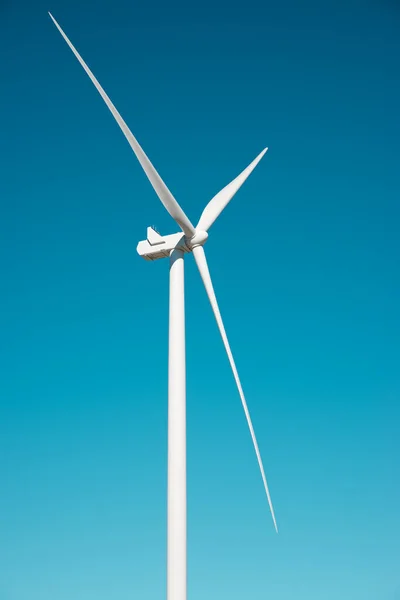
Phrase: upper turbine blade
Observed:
(159, 186)
(218, 203)
(201, 261)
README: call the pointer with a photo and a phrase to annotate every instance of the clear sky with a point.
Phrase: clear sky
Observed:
(305, 262)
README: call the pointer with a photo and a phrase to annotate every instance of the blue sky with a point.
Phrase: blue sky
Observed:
(305, 263)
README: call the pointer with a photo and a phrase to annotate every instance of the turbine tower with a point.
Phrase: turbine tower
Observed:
(189, 240)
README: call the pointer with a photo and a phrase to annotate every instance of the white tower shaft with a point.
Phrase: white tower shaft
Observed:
(176, 550)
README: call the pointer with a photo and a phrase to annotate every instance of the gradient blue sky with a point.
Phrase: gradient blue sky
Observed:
(309, 292)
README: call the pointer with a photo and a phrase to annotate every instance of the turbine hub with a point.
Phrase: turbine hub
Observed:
(199, 238)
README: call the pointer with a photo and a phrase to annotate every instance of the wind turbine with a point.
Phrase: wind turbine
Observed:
(175, 246)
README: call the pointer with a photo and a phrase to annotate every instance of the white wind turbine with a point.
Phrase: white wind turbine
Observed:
(176, 246)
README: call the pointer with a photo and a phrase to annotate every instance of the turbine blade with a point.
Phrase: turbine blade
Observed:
(218, 203)
(201, 261)
(159, 186)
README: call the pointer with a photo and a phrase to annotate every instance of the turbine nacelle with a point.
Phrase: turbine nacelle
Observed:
(158, 246)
